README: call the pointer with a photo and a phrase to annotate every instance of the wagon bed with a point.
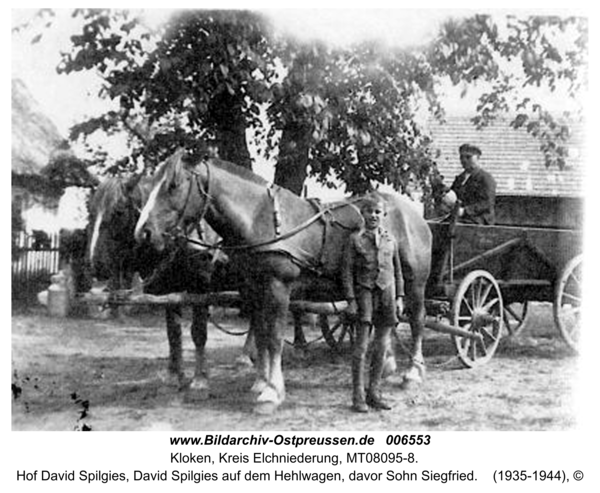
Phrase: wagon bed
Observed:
(515, 264)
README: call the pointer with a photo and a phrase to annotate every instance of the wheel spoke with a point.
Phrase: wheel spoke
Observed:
(572, 297)
(575, 277)
(491, 336)
(488, 306)
(468, 306)
(484, 296)
(483, 347)
(473, 297)
(473, 350)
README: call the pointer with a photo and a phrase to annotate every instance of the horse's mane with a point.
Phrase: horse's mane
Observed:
(174, 166)
(108, 194)
(237, 170)
(115, 190)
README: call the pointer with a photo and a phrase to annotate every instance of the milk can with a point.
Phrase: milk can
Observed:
(58, 296)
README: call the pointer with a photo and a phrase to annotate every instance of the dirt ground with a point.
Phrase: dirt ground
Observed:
(91, 374)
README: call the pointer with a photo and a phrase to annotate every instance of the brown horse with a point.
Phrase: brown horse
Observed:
(292, 247)
(114, 256)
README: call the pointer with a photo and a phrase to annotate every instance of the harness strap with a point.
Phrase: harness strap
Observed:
(292, 232)
(276, 212)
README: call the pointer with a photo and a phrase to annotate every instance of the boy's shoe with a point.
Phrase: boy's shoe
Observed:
(377, 402)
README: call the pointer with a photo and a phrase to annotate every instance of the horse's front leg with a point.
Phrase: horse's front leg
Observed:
(199, 386)
(175, 374)
(248, 356)
(416, 315)
(257, 334)
(275, 304)
(299, 339)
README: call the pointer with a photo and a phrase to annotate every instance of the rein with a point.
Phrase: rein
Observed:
(204, 192)
(279, 236)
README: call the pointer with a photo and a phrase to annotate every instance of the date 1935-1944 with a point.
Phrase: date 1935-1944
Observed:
(506, 475)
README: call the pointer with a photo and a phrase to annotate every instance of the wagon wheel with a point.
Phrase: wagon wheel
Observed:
(478, 309)
(567, 302)
(339, 332)
(516, 316)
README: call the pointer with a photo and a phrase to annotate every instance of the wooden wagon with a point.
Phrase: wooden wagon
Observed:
(492, 273)
(482, 280)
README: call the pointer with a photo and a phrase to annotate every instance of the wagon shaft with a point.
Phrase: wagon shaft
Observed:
(438, 326)
(224, 298)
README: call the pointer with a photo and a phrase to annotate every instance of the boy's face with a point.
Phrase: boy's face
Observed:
(373, 215)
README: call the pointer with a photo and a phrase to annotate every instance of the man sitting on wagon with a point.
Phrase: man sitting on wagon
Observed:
(472, 196)
(474, 188)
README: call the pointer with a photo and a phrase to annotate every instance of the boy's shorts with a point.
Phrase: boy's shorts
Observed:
(377, 306)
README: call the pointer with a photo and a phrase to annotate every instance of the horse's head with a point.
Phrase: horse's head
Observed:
(114, 211)
(177, 200)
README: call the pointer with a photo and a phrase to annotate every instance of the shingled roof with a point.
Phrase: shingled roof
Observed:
(512, 156)
(34, 135)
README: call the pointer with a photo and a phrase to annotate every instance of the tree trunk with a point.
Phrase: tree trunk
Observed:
(230, 128)
(292, 166)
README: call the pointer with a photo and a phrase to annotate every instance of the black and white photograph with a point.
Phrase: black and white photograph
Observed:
(306, 220)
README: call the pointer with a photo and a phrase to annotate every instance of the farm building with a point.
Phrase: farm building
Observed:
(48, 182)
(528, 192)
(34, 138)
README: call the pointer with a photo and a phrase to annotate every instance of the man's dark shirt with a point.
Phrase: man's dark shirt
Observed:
(477, 195)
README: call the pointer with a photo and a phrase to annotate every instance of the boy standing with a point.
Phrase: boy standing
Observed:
(373, 285)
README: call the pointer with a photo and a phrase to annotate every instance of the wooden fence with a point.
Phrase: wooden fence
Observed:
(34, 259)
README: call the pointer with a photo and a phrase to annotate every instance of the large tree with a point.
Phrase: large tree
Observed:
(346, 114)
(196, 83)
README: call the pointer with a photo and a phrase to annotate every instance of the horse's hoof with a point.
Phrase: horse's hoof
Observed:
(197, 395)
(258, 386)
(269, 394)
(244, 361)
(413, 377)
(389, 367)
(360, 407)
(171, 379)
(197, 391)
(265, 408)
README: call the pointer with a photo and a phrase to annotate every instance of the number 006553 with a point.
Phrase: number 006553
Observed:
(408, 440)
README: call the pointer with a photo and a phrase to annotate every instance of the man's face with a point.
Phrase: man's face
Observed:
(373, 215)
(469, 162)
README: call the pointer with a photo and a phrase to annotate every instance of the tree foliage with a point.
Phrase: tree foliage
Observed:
(512, 55)
(351, 114)
(197, 83)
